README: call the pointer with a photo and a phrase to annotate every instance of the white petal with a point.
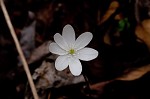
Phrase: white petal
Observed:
(61, 41)
(83, 40)
(61, 62)
(75, 66)
(69, 35)
(56, 49)
(87, 54)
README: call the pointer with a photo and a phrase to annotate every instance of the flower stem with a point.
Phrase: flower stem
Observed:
(87, 84)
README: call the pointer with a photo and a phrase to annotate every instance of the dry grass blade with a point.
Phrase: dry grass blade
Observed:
(7, 18)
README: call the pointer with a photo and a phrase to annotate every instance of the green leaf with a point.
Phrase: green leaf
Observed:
(122, 24)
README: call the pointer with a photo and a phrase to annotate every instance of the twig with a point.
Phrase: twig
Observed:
(25, 65)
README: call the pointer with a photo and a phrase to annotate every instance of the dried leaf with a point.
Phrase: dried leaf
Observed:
(27, 40)
(112, 8)
(47, 76)
(100, 86)
(98, 89)
(45, 14)
(39, 52)
(143, 32)
(107, 39)
(130, 75)
(135, 73)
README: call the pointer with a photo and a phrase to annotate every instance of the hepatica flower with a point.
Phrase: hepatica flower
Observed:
(72, 50)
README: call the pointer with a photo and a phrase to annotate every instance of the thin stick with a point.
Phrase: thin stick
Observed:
(25, 65)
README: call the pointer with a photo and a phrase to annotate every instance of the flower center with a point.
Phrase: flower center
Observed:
(71, 51)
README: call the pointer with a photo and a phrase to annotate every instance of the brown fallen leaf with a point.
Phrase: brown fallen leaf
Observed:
(97, 89)
(112, 8)
(134, 74)
(45, 14)
(143, 32)
(47, 76)
(128, 76)
(107, 38)
(100, 86)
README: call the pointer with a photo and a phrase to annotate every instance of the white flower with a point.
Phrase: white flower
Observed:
(71, 50)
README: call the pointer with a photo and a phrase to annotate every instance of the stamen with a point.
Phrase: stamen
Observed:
(72, 51)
